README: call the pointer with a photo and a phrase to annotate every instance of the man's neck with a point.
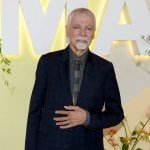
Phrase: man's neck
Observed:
(78, 52)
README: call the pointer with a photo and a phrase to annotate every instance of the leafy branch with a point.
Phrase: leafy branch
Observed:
(6, 70)
(147, 52)
(130, 140)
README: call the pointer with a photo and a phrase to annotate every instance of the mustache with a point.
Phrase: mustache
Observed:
(86, 39)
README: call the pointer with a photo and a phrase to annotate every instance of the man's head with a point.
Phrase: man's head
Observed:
(80, 28)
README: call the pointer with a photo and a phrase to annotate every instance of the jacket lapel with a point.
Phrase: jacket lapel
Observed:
(88, 79)
(65, 75)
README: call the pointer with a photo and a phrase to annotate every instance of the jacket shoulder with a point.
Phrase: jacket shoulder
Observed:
(98, 60)
(53, 56)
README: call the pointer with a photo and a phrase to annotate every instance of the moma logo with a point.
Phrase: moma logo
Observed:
(42, 27)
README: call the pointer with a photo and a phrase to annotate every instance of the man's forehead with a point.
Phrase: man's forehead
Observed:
(82, 15)
(79, 19)
(80, 24)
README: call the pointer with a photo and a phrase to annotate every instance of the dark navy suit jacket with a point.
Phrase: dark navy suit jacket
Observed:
(52, 92)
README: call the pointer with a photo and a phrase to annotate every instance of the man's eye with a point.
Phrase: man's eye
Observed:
(76, 27)
(89, 29)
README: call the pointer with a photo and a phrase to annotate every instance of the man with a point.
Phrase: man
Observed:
(71, 88)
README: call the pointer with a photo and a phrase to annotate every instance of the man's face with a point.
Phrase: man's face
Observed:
(80, 32)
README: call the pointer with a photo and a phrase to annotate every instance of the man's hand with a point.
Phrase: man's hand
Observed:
(74, 116)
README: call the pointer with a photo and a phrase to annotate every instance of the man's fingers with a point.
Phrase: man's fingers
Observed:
(63, 123)
(63, 112)
(71, 107)
(60, 118)
(74, 117)
(68, 126)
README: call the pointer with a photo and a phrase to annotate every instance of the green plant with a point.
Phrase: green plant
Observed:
(6, 70)
(130, 140)
(139, 62)
(147, 40)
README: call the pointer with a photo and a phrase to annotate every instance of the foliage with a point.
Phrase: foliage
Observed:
(130, 140)
(147, 40)
(5, 69)
(147, 52)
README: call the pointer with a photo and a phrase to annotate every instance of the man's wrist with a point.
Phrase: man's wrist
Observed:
(87, 121)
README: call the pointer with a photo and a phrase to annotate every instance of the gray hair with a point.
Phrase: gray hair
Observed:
(81, 11)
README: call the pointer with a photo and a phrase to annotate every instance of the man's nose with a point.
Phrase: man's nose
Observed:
(83, 32)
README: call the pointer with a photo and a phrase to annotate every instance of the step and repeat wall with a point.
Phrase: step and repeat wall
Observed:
(29, 29)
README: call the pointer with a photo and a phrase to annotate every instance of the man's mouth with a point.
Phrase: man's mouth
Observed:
(81, 41)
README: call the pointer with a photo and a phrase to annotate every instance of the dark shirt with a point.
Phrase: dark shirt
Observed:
(72, 57)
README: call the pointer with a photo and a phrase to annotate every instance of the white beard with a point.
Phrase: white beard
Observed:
(81, 46)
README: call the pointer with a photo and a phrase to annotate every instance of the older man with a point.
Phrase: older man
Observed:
(71, 88)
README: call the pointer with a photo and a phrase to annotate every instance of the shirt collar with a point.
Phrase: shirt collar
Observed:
(73, 56)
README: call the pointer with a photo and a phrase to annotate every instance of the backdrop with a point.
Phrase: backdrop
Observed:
(133, 79)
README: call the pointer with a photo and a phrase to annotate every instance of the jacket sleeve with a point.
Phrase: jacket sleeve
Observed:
(35, 108)
(113, 113)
